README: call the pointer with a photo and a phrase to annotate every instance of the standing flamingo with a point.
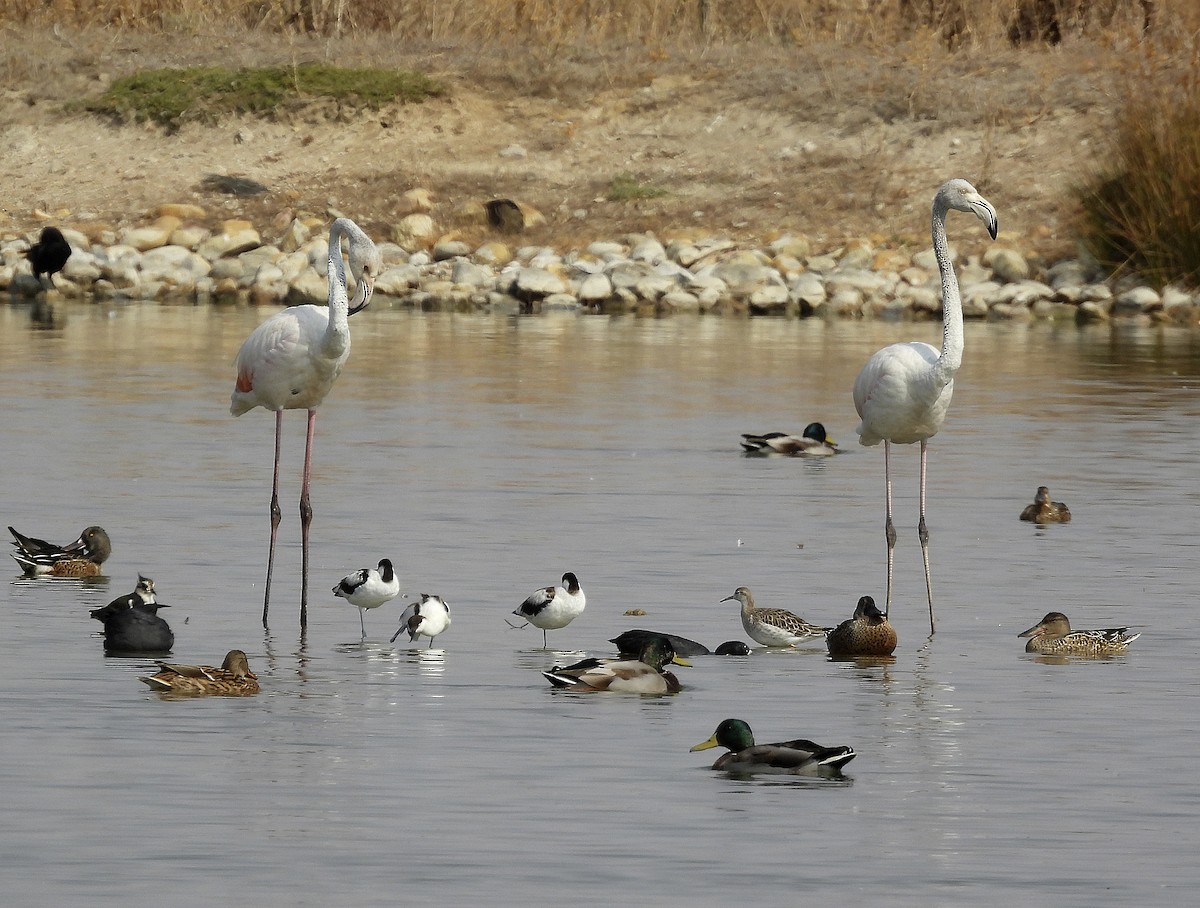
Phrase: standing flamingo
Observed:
(290, 362)
(903, 392)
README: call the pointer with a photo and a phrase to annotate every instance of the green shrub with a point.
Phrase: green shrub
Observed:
(172, 96)
(1142, 207)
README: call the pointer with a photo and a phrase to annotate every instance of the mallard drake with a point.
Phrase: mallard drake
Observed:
(795, 757)
(773, 626)
(553, 607)
(232, 679)
(427, 618)
(868, 633)
(1053, 636)
(1043, 510)
(813, 442)
(369, 588)
(81, 558)
(644, 675)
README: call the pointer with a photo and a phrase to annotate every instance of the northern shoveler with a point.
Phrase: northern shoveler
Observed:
(813, 442)
(1043, 510)
(794, 757)
(868, 633)
(369, 588)
(773, 626)
(81, 558)
(427, 618)
(553, 607)
(645, 675)
(1053, 636)
(232, 679)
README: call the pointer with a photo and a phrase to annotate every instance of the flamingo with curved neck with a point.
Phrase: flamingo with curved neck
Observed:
(903, 392)
(291, 361)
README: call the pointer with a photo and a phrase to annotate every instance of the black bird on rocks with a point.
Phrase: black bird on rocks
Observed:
(49, 254)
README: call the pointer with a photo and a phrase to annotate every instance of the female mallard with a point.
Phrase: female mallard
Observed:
(773, 626)
(81, 558)
(868, 633)
(795, 757)
(813, 442)
(232, 679)
(1043, 510)
(1053, 636)
(644, 675)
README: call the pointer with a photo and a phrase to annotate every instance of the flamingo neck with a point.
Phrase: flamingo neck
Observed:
(337, 333)
(944, 369)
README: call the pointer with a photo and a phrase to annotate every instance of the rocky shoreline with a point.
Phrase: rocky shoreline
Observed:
(174, 258)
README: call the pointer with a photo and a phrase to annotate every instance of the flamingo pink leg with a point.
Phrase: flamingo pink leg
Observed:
(923, 533)
(889, 528)
(276, 516)
(306, 520)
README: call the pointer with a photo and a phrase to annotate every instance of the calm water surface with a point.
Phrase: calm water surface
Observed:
(486, 456)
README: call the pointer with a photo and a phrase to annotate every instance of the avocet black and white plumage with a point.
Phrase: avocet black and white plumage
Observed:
(813, 442)
(553, 607)
(427, 618)
(369, 588)
(143, 594)
(81, 558)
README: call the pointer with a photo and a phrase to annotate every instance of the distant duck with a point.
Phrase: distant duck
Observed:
(813, 442)
(49, 254)
(644, 675)
(1043, 510)
(1052, 636)
(232, 679)
(427, 618)
(798, 757)
(131, 623)
(369, 588)
(81, 558)
(553, 607)
(773, 626)
(868, 633)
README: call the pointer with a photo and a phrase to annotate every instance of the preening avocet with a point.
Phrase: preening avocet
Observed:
(427, 618)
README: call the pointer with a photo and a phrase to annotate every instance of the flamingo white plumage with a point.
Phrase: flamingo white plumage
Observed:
(291, 361)
(903, 392)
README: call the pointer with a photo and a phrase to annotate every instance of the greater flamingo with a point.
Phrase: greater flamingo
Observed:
(903, 392)
(290, 362)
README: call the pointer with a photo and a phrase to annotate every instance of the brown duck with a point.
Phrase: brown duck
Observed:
(232, 679)
(1043, 510)
(868, 633)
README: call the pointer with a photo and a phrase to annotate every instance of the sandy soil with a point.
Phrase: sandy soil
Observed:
(744, 146)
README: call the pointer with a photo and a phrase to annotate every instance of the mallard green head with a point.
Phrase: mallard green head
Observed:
(657, 652)
(732, 734)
